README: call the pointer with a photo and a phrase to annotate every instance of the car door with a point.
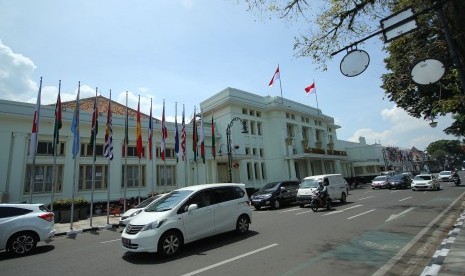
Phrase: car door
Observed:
(226, 209)
(199, 223)
(291, 191)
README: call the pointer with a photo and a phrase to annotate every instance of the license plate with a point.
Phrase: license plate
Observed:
(126, 241)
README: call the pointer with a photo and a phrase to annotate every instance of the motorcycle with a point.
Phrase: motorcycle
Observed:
(318, 202)
(456, 180)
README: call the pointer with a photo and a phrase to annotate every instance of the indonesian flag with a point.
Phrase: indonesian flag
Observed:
(275, 77)
(310, 89)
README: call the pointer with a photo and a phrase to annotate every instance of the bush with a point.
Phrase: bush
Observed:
(62, 204)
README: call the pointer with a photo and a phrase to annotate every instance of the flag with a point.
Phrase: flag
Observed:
(310, 89)
(126, 128)
(75, 126)
(58, 122)
(108, 147)
(35, 125)
(150, 135)
(202, 140)
(213, 140)
(176, 134)
(138, 132)
(164, 134)
(183, 135)
(194, 138)
(275, 77)
(94, 130)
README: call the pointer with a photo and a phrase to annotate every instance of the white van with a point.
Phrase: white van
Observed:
(337, 188)
(186, 215)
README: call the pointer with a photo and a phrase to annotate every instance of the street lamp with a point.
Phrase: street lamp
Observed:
(228, 142)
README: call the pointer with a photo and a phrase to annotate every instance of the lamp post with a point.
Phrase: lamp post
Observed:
(228, 142)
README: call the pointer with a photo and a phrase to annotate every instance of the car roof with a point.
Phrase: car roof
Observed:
(213, 185)
(321, 175)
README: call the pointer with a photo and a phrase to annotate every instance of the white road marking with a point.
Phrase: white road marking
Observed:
(229, 260)
(391, 217)
(303, 212)
(361, 214)
(405, 198)
(290, 210)
(341, 211)
(110, 241)
(366, 197)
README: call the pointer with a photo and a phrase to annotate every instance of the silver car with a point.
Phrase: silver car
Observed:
(425, 182)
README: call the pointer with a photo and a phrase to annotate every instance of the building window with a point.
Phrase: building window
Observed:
(247, 151)
(293, 116)
(87, 150)
(43, 179)
(170, 175)
(262, 153)
(252, 113)
(169, 153)
(259, 114)
(244, 111)
(259, 128)
(46, 148)
(249, 171)
(290, 130)
(288, 115)
(254, 151)
(132, 151)
(305, 133)
(133, 176)
(257, 170)
(358, 170)
(252, 127)
(263, 170)
(85, 177)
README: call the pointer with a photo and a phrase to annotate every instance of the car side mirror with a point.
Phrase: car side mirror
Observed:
(192, 207)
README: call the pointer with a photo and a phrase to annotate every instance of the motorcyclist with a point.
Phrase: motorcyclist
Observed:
(323, 191)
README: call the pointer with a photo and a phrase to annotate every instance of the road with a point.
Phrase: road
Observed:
(377, 232)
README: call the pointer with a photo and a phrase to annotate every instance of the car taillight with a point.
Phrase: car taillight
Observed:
(47, 216)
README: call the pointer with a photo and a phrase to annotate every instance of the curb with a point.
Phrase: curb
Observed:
(90, 229)
(440, 255)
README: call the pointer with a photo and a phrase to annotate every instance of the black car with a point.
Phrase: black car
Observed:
(399, 181)
(275, 194)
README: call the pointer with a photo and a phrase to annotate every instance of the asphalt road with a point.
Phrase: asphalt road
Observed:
(377, 232)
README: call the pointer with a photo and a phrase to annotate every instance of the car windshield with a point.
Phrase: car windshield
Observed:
(310, 183)
(270, 186)
(380, 178)
(422, 177)
(397, 177)
(147, 201)
(169, 201)
(444, 173)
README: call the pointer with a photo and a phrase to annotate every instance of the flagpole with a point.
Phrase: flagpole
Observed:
(165, 181)
(94, 142)
(109, 158)
(76, 152)
(125, 180)
(151, 148)
(55, 136)
(280, 87)
(36, 128)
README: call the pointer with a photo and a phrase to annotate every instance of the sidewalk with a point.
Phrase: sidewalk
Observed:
(83, 225)
(449, 258)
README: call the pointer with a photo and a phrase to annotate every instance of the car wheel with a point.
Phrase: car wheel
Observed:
(22, 243)
(257, 207)
(343, 198)
(301, 205)
(276, 204)
(170, 243)
(242, 225)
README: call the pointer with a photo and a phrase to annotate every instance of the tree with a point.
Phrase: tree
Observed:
(450, 150)
(342, 22)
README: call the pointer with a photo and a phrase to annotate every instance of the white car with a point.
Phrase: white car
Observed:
(186, 215)
(445, 176)
(23, 226)
(131, 213)
(425, 182)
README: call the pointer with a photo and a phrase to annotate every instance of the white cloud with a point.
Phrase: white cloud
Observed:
(15, 76)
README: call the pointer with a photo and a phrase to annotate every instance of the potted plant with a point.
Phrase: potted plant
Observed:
(64, 206)
(81, 206)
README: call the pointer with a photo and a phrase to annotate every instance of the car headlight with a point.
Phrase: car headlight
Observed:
(153, 225)
(266, 196)
(135, 213)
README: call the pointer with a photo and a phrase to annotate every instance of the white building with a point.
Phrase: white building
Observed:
(285, 140)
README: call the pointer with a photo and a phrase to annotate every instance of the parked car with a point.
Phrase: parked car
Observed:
(275, 194)
(131, 213)
(445, 176)
(23, 226)
(337, 188)
(380, 182)
(399, 181)
(425, 182)
(186, 215)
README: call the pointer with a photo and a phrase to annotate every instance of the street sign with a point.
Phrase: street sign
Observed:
(398, 24)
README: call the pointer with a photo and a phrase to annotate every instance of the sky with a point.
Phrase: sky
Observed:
(183, 52)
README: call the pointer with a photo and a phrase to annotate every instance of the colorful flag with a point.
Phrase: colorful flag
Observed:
(138, 132)
(75, 126)
(150, 135)
(275, 77)
(176, 134)
(202, 140)
(126, 129)
(58, 122)
(108, 146)
(35, 125)
(310, 89)
(194, 138)
(164, 134)
(183, 135)
(94, 130)
(213, 140)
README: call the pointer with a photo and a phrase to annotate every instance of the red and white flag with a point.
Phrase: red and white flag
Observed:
(275, 77)
(310, 89)
(35, 125)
